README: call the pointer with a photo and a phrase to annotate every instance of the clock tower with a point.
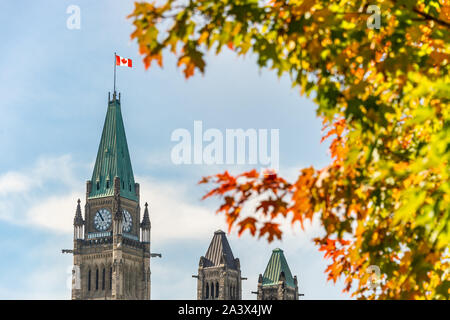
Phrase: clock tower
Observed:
(111, 252)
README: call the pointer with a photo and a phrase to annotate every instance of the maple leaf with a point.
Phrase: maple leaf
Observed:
(272, 230)
(248, 223)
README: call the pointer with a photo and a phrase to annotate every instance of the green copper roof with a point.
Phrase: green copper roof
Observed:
(113, 158)
(276, 265)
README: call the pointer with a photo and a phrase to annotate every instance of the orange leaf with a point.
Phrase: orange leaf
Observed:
(247, 223)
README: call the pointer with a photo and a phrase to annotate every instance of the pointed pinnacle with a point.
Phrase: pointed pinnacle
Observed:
(78, 220)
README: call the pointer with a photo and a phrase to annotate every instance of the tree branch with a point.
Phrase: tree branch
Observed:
(429, 17)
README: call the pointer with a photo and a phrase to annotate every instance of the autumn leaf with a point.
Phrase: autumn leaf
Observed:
(248, 223)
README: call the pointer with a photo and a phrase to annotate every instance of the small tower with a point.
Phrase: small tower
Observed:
(277, 282)
(145, 226)
(219, 273)
(78, 223)
(78, 236)
(145, 239)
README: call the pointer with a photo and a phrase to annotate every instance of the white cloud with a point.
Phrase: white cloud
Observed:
(33, 196)
(54, 213)
(175, 216)
(45, 170)
(12, 182)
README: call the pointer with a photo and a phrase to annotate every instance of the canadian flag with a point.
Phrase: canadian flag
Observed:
(121, 61)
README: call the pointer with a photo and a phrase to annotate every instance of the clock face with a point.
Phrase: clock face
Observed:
(102, 220)
(127, 221)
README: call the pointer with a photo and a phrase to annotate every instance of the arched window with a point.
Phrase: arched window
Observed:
(103, 278)
(96, 279)
(110, 278)
(207, 291)
(123, 185)
(107, 184)
(130, 187)
(217, 289)
(136, 284)
(212, 290)
(229, 292)
(98, 185)
(89, 280)
(129, 281)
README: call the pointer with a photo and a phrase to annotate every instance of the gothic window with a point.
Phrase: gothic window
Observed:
(96, 279)
(132, 283)
(212, 290)
(217, 289)
(110, 278)
(136, 284)
(98, 185)
(123, 185)
(207, 291)
(107, 184)
(229, 292)
(130, 187)
(103, 278)
(89, 280)
(129, 281)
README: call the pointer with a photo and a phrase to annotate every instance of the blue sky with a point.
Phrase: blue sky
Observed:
(54, 88)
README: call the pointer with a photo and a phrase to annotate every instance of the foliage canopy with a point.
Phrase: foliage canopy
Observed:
(383, 94)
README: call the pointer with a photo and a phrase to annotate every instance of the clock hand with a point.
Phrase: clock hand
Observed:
(101, 216)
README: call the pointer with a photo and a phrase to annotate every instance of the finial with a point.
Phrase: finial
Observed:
(78, 201)
(146, 204)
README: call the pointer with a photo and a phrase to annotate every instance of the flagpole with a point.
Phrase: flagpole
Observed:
(115, 59)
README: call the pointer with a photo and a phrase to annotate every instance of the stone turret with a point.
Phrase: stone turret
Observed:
(219, 273)
(277, 282)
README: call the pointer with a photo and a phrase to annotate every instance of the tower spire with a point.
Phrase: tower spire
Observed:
(113, 158)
